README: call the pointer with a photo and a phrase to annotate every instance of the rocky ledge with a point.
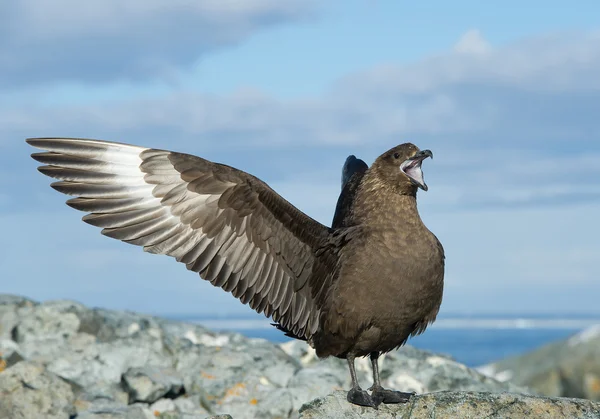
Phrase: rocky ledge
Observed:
(453, 405)
(60, 359)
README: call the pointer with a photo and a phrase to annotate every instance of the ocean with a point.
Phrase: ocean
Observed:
(471, 340)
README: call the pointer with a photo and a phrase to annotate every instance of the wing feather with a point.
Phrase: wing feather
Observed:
(225, 224)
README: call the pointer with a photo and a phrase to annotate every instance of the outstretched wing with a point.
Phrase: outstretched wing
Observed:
(225, 224)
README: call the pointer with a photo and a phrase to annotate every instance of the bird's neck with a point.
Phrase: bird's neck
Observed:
(385, 206)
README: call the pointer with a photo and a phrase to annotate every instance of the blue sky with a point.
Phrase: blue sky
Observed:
(505, 94)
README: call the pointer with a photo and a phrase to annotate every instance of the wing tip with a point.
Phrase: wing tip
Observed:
(40, 142)
(48, 170)
(76, 203)
(47, 143)
(35, 142)
(60, 186)
(42, 156)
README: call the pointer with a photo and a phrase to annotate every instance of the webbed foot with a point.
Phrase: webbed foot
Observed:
(360, 397)
(382, 395)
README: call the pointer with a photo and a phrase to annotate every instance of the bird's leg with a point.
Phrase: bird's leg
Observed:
(357, 395)
(375, 367)
(380, 394)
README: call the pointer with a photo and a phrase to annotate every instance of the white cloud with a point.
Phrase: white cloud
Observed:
(472, 42)
(136, 40)
(540, 91)
(552, 63)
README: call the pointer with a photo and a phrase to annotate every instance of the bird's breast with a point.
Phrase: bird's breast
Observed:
(398, 275)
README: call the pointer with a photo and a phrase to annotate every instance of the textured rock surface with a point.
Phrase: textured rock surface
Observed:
(570, 368)
(120, 412)
(452, 405)
(27, 390)
(148, 384)
(64, 360)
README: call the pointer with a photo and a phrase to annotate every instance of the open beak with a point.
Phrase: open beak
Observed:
(412, 168)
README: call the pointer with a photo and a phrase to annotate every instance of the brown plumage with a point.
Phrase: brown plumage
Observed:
(361, 287)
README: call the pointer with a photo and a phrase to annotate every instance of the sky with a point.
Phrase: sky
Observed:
(505, 94)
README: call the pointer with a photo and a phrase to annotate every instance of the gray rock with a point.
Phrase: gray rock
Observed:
(101, 396)
(8, 320)
(148, 384)
(238, 376)
(165, 409)
(42, 331)
(9, 304)
(313, 381)
(278, 403)
(174, 330)
(109, 325)
(97, 406)
(16, 301)
(569, 368)
(191, 406)
(67, 306)
(44, 322)
(235, 370)
(27, 390)
(126, 412)
(105, 362)
(452, 405)
(9, 353)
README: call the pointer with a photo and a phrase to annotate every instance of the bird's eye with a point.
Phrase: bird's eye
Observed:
(396, 155)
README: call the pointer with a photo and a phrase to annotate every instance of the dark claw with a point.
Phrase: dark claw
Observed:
(382, 395)
(360, 397)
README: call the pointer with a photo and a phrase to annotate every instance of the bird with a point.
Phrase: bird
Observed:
(361, 287)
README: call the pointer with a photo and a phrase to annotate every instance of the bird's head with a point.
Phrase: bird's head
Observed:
(401, 168)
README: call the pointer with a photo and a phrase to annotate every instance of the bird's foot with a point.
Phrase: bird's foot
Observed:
(381, 395)
(360, 397)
